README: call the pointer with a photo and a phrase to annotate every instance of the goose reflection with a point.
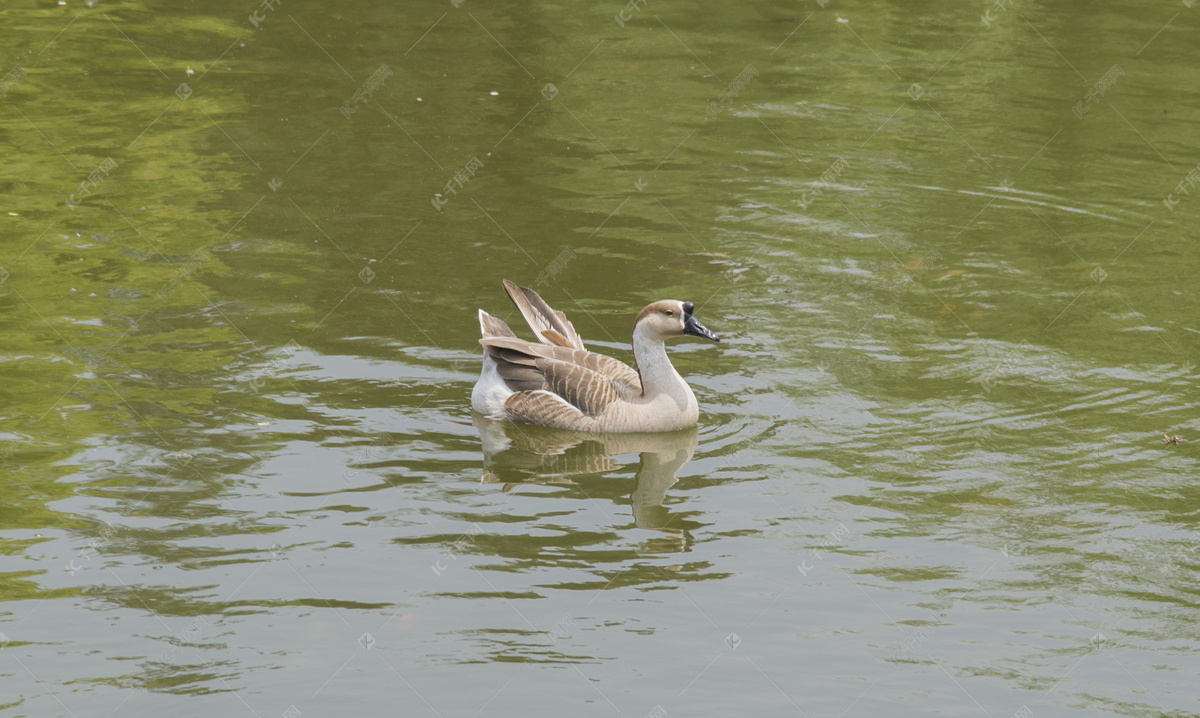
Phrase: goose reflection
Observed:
(516, 454)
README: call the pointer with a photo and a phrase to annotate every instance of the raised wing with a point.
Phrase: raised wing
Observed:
(550, 326)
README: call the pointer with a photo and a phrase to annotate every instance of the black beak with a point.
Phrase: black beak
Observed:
(692, 326)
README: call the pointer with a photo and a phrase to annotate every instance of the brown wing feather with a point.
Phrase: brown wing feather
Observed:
(542, 408)
(490, 326)
(518, 369)
(623, 377)
(549, 336)
(541, 317)
(587, 390)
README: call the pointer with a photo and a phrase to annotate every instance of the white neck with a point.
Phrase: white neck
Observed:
(658, 376)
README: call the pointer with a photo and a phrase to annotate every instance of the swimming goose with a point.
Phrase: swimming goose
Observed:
(559, 383)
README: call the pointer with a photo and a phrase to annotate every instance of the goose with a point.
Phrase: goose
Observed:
(558, 383)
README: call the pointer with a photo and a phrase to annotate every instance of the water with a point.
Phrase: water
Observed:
(929, 477)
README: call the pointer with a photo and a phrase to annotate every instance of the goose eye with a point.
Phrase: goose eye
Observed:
(670, 313)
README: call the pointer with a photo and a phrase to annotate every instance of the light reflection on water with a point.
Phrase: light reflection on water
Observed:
(243, 475)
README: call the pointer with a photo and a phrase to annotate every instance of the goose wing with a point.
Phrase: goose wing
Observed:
(518, 363)
(549, 325)
(542, 408)
(542, 384)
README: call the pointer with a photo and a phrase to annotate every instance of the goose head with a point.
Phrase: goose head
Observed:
(669, 318)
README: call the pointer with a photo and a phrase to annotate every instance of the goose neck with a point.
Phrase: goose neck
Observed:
(650, 355)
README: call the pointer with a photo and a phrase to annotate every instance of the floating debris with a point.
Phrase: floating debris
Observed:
(1172, 439)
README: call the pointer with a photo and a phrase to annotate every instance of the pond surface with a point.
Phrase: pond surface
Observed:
(945, 247)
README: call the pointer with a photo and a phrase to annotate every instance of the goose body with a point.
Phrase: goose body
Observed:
(556, 382)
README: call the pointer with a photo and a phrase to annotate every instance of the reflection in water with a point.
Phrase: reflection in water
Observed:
(515, 454)
(986, 420)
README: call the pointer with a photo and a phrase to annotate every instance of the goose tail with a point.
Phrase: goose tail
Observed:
(490, 326)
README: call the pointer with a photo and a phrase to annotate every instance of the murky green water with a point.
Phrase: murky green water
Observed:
(240, 471)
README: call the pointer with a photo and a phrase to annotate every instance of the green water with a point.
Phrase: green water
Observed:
(240, 471)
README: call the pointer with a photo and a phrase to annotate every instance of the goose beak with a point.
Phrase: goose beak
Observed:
(692, 326)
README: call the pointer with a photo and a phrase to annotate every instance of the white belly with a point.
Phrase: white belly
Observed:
(490, 391)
